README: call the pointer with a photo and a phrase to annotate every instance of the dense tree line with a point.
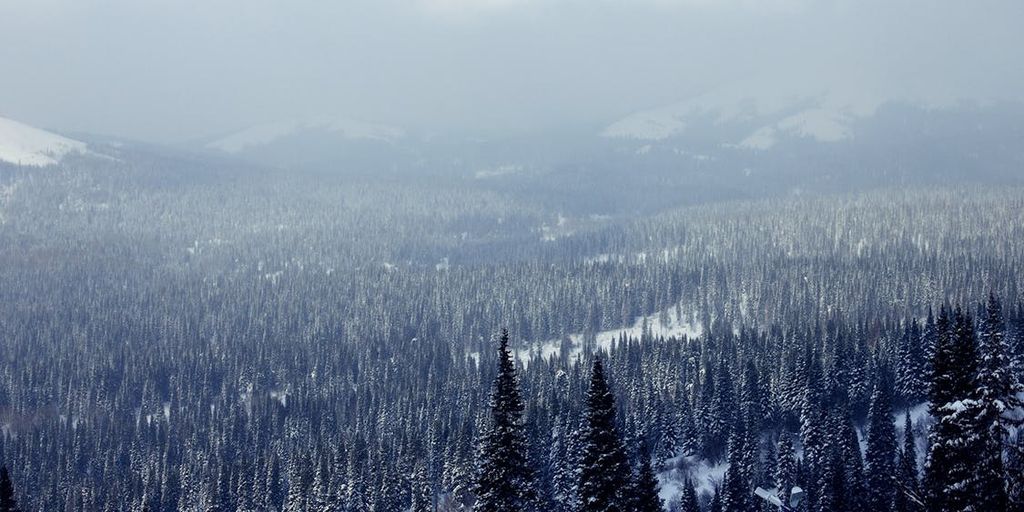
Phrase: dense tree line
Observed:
(285, 346)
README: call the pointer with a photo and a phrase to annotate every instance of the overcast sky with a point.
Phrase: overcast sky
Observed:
(169, 70)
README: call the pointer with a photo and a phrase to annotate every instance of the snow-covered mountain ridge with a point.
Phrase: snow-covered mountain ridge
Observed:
(267, 133)
(21, 144)
(762, 118)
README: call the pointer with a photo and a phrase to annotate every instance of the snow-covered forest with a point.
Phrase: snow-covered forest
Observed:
(511, 256)
(198, 337)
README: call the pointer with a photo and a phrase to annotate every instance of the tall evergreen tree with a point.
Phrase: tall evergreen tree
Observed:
(504, 478)
(956, 439)
(785, 470)
(736, 486)
(8, 503)
(998, 390)
(688, 499)
(1015, 473)
(644, 488)
(880, 459)
(911, 366)
(908, 492)
(422, 496)
(604, 471)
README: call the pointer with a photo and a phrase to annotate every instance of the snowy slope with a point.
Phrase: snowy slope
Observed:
(759, 115)
(267, 133)
(24, 145)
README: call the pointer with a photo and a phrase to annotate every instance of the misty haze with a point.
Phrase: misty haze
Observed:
(511, 256)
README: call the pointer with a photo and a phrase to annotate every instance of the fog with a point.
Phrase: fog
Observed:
(169, 71)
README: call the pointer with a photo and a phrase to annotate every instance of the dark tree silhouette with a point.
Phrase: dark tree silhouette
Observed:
(505, 479)
(605, 472)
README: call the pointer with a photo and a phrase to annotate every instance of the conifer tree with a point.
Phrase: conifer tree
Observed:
(998, 391)
(644, 488)
(908, 492)
(504, 478)
(688, 499)
(1015, 474)
(880, 459)
(604, 471)
(565, 454)
(716, 501)
(785, 471)
(951, 475)
(8, 503)
(911, 366)
(422, 500)
(736, 487)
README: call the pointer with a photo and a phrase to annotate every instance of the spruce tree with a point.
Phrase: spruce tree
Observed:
(956, 439)
(908, 492)
(1015, 473)
(8, 503)
(911, 366)
(716, 501)
(736, 487)
(644, 488)
(421, 495)
(688, 499)
(880, 458)
(785, 470)
(998, 390)
(604, 471)
(504, 478)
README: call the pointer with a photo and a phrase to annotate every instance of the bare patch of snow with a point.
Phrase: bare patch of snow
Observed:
(24, 145)
(673, 326)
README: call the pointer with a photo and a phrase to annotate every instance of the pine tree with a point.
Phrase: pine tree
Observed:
(422, 499)
(911, 366)
(565, 454)
(736, 487)
(504, 478)
(298, 486)
(880, 458)
(785, 471)
(956, 439)
(688, 499)
(604, 471)
(998, 396)
(8, 503)
(1015, 472)
(644, 487)
(716, 501)
(908, 492)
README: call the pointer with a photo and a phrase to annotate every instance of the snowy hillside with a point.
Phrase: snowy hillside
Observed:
(267, 133)
(758, 118)
(21, 144)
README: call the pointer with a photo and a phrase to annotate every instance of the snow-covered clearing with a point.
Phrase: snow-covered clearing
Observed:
(653, 324)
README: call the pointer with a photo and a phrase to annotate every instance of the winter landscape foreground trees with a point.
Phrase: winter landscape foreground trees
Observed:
(230, 347)
(974, 401)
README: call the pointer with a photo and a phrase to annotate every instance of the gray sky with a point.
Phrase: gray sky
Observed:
(168, 70)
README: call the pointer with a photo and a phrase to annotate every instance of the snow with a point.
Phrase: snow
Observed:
(763, 138)
(674, 327)
(728, 104)
(263, 134)
(501, 170)
(820, 124)
(705, 478)
(24, 145)
(816, 108)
